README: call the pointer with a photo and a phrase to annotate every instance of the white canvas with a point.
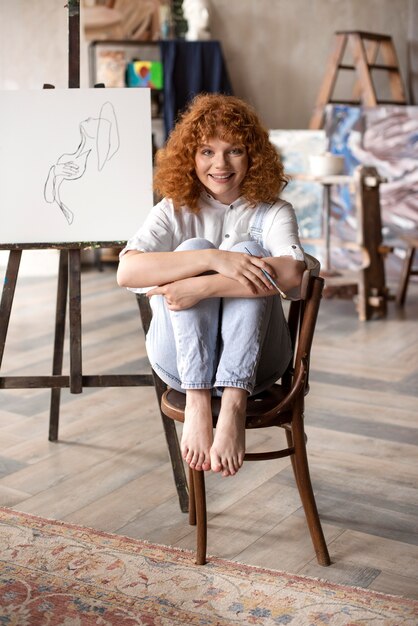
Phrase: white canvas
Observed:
(76, 165)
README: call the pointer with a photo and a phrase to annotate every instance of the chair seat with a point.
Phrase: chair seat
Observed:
(174, 402)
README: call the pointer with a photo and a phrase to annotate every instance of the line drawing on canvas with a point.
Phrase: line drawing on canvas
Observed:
(100, 134)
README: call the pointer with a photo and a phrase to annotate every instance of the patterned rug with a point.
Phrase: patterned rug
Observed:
(54, 573)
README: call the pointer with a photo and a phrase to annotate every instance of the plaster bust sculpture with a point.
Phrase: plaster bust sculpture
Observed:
(196, 14)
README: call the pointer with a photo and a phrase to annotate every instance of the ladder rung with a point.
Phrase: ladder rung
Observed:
(379, 66)
(344, 101)
(379, 101)
(365, 35)
(372, 66)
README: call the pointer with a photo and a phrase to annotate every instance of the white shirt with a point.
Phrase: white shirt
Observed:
(223, 224)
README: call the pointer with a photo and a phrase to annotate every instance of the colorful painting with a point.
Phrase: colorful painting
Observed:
(295, 147)
(385, 137)
(145, 74)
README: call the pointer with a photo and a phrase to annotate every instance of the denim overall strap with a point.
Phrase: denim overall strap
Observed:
(256, 229)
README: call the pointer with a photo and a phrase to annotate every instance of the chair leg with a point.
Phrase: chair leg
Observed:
(406, 272)
(173, 448)
(306, 492)
(192, 500)
(201, 518)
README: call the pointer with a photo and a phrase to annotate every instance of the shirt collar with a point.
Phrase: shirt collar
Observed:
(207, 198)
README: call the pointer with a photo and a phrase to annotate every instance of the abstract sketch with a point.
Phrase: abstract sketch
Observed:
(87, 161)
(98, 135)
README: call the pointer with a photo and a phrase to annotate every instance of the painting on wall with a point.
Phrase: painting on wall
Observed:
(295, 147)
(76, 165)
(385, 137)
(111, 68)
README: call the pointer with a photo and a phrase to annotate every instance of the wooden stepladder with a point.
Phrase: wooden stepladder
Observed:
(365, 49)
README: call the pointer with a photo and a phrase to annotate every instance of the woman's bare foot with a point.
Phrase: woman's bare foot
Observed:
(228, 449)
(197, 435)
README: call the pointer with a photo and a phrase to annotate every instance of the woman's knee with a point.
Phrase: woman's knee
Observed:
(195, 243)
(250, 247)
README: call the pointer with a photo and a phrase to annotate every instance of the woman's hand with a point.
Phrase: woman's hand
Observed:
(179, 295)
(244, 268)
(69, 169)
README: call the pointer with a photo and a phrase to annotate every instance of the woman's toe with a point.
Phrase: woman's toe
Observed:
(215, 462)
(206, 466)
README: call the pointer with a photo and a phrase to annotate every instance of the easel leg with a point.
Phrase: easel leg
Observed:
(326, 226)
(58, 343)
(372, 285)
(8, 295)
(76, 383)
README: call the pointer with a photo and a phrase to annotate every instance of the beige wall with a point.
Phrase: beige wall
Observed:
(33, 43)
(275, 49)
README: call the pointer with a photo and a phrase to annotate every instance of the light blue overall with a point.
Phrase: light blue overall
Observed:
(221, 342)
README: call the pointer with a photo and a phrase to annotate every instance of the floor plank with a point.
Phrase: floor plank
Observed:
(110, 469)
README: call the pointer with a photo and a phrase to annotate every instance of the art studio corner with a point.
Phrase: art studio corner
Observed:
(209, 312)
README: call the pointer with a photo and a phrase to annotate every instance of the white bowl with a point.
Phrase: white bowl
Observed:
(326, 164)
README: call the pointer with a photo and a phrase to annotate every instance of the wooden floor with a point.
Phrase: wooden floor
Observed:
(110, 469)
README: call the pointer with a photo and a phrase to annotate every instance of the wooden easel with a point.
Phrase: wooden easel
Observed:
(69, 284)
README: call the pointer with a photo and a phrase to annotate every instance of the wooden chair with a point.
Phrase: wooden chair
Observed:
(281, 405)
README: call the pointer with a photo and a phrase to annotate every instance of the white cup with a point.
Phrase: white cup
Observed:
(326, 164)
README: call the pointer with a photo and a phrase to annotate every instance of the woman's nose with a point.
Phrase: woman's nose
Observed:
(220, 159)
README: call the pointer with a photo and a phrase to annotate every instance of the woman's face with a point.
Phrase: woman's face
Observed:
(221, 168)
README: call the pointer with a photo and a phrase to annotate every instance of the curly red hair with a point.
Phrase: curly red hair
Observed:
(229, 119)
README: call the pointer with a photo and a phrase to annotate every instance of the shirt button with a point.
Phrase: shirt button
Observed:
(231, 206)
(293, 246)
(226, 236)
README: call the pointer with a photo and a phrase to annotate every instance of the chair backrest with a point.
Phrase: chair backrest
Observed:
(302, 318)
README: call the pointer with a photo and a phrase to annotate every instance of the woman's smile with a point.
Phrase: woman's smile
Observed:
(221, 168)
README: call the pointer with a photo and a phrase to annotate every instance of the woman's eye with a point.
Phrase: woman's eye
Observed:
(206, 152)
(236, 151)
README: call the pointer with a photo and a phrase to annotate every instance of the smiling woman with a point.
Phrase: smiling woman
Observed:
(215, 245)
(221, 168)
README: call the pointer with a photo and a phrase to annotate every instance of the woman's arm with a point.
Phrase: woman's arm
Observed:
(138, 269)
(183, 294)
